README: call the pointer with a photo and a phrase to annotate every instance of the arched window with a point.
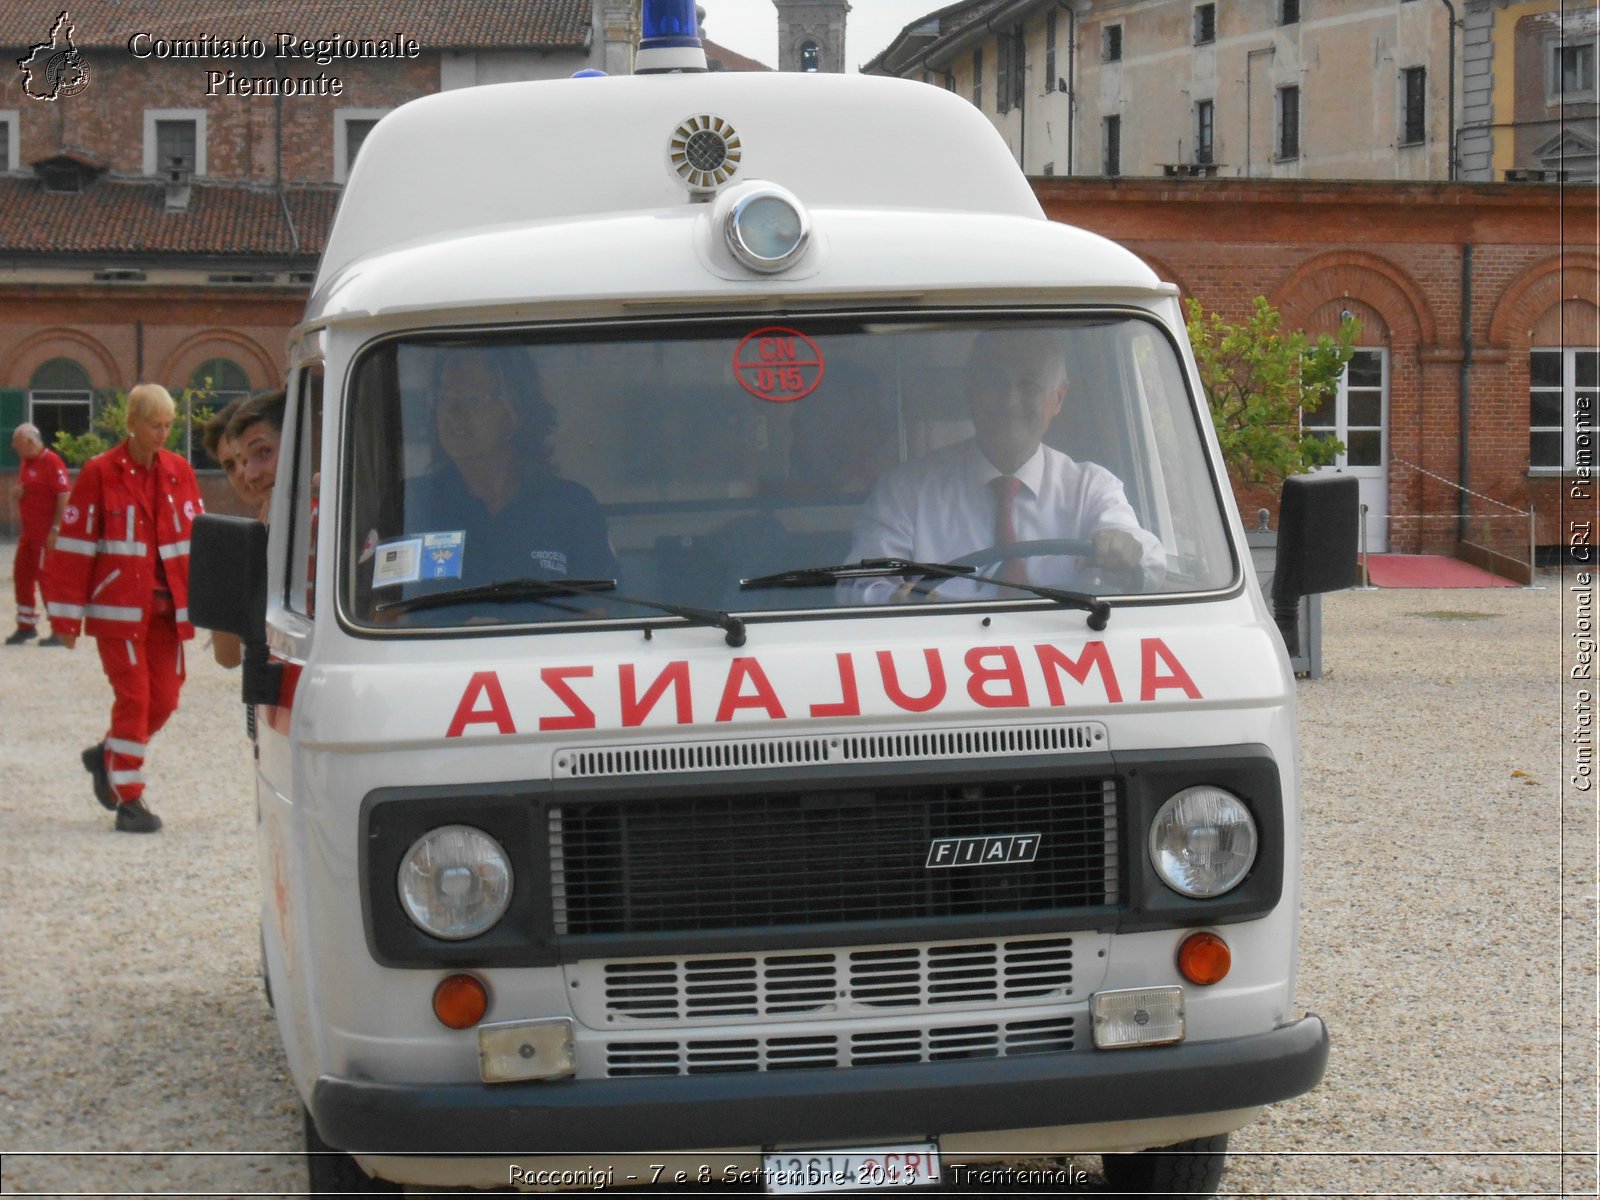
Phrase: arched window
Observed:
(212, 384)
(219, 377)
(60, 398)
(810, 57)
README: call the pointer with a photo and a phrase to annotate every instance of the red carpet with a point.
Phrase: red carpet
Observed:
(1428, 571)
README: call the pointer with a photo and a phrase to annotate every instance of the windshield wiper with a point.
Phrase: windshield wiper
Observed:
(510, 590)
(867, 568)
(730, 625)
(506, 591)
(871, 568)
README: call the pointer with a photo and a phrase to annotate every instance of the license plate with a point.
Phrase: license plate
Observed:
(871, 1168)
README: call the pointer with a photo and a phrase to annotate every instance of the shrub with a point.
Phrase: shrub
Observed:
(1258, 379)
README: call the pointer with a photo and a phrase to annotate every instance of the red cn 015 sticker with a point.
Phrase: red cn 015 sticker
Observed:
(778, 364)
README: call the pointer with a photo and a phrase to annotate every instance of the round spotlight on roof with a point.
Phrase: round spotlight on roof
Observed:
(767, 229)
(705, 152)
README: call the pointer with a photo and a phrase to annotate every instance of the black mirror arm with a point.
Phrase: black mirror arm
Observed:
(261, 678)
(1286, 614)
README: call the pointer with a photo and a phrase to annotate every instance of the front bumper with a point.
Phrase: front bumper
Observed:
(859, 1105)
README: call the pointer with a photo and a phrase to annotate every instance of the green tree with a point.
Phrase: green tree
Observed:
(1258, 380)
(110, 426)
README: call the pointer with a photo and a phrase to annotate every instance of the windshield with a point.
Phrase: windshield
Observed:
(714, 465)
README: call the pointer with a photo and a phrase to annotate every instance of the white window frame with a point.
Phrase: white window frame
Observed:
(1333, 414)
(341, 136)
(12, 120)
(62, 398)
(152, 115)
(1553, 92)
(1568, 393)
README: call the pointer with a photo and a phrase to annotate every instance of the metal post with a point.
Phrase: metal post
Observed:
(1366, 580)
(1533, 536)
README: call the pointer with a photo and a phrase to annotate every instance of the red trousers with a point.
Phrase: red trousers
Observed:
(25, 574)
(146, 677)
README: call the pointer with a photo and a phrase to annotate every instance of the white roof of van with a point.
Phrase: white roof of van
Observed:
(517, 152)
(485, 168)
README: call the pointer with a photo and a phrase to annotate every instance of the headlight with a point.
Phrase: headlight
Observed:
(455, 882)
(1203, 842)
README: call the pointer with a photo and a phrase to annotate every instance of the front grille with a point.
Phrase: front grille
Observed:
(822, 1051)
(862, 982)
(825, 857)
(734, 754)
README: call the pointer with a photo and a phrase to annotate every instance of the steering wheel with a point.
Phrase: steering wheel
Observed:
(995, 555)
(1079, 547)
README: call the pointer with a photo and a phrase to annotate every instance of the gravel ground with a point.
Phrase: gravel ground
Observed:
(1448, 876)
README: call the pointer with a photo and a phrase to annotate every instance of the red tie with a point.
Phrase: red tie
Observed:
(1006, 487)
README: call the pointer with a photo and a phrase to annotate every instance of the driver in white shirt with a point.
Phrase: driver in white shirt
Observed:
(1004, 486)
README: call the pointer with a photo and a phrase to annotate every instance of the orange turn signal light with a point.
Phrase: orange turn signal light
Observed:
(460, 1001)
(1204, 959)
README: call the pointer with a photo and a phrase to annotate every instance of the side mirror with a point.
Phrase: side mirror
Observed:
(228, 576)
(1319, 519)
(228, 593)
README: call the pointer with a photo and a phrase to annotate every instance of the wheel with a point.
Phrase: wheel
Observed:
(1076, 547)
(335, 1173)
(1192, 1168)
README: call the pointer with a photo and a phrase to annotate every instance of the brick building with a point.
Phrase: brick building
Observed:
(118, 266)
(1482, 299)
(169, 171)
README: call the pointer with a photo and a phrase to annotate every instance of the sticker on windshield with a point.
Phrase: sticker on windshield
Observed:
(778, 364)
(441, 554)
(397, 562)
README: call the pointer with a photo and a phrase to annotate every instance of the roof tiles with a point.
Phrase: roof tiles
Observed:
(114, 218)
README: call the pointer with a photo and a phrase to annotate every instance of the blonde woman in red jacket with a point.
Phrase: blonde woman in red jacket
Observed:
(119, 571)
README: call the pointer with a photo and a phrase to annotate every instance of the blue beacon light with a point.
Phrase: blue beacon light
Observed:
(670, 38)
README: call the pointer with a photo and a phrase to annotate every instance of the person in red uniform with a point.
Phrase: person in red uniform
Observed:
(41, 493)
(119, 571)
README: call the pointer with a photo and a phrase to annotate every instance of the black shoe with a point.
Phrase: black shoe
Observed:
(23, 633)
(134, 817)
(94, 762)
(52, 640)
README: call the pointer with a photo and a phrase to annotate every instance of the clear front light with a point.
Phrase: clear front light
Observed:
(1203, 842)
(1137, 1017)
(455, 882)
(767, 229)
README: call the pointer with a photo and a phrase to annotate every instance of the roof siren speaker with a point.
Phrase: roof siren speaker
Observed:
(704, 151)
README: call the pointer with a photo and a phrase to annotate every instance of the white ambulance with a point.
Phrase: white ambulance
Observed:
(679, 760)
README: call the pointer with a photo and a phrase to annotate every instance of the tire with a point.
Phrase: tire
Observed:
(334, 1173)
(1192, 1168)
